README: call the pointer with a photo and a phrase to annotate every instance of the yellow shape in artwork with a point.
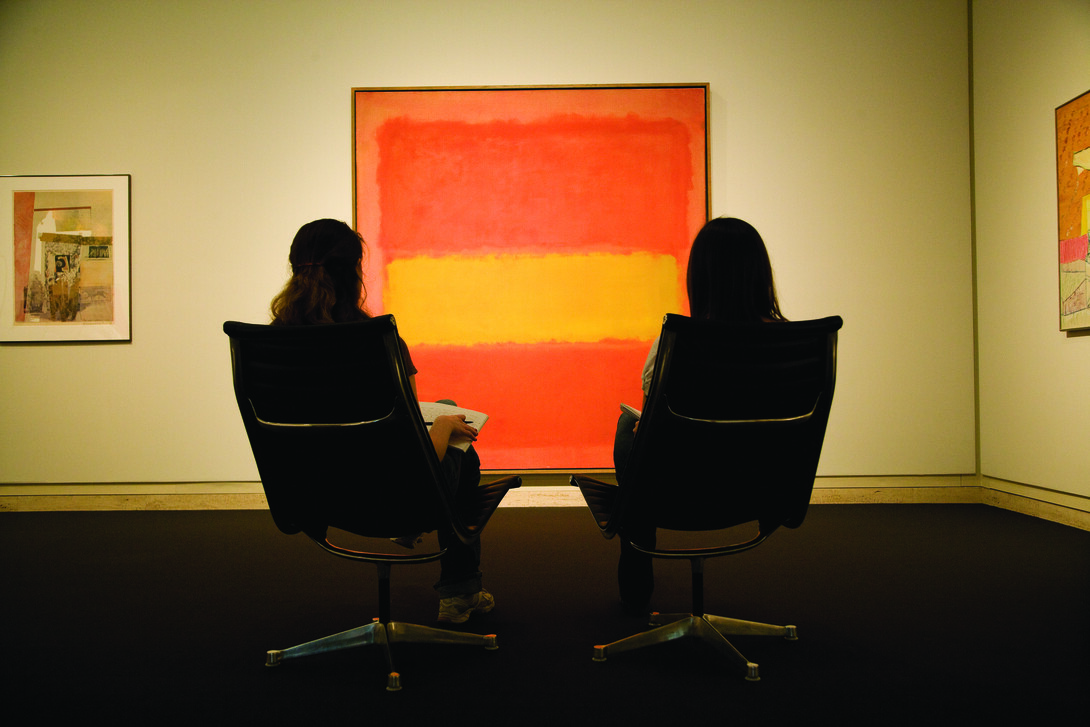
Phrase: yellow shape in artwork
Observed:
(463, 300)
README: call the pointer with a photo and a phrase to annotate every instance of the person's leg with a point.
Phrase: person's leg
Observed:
(622, 441)
(460, 573)
(635, 571)
(459, 585)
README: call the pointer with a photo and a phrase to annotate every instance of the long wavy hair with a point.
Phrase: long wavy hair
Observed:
(326, 284)
(730, 276)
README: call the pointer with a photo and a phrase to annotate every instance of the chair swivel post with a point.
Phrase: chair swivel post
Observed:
(698, 585)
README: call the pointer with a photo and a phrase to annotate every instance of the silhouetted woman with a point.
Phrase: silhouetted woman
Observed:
(326, 286)
(729, 278)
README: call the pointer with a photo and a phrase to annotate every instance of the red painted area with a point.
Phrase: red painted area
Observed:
(1073, 249)
(568, 184)
(550, 405)
(24, 236)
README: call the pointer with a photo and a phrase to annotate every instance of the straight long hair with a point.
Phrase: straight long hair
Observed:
(729, 277)
(326, 284)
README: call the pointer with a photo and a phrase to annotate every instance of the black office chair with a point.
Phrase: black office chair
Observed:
(731, 434)
(340, 443)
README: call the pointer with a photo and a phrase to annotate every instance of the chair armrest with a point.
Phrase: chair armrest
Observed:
(475, 512)
(603, 500)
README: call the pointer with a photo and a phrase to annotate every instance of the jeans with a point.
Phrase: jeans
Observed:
(460, 566)
(635, 572)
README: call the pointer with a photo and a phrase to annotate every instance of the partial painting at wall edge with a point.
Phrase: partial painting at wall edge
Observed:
(1073, 211)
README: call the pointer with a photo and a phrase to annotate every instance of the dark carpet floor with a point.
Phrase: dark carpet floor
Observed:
(907, 614)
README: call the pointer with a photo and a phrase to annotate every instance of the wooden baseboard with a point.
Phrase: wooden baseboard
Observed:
(1062, 514)
(551, 489)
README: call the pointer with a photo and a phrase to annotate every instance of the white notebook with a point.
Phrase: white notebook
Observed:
(431, 409)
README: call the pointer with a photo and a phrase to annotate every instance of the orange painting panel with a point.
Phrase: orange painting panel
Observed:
(533, 174)
(557, 185)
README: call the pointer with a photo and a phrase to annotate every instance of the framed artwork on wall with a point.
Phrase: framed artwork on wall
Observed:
(1073, 187)
(64, 271)
(528, 241)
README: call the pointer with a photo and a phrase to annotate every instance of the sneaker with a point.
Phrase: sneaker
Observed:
(456, 609)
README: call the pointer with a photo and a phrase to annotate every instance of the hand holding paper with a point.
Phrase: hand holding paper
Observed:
(465, 426)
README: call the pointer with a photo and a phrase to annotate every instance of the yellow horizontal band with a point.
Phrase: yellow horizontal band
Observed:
(463, 300)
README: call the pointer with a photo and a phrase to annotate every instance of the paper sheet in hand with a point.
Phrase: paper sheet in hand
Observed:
(432, 409)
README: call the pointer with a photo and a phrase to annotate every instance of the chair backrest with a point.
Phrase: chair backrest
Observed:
(335, 428)
(733, 425)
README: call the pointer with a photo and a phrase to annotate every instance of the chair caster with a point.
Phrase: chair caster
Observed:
(272, 658)
(752, 674)
(490, 642)
(599, 653)
(792, 634)
(393, 682)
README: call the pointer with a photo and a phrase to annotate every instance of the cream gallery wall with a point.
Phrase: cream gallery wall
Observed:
(840, 130)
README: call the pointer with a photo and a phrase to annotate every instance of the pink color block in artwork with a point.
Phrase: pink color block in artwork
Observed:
(1073, 249)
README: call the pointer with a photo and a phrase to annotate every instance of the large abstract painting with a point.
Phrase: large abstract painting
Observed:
(528, 242)
(65, 267)
(1073, 184)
